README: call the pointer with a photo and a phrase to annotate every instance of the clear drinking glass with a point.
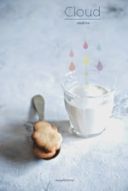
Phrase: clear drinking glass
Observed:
(89, 104)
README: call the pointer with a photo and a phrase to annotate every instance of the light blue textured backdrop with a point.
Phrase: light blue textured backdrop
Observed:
(35, 41)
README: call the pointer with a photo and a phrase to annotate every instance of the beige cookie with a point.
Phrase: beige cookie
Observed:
(47, 137)
(42, 154)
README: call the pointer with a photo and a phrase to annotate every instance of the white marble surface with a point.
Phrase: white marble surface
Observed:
(94, 164)
(34, 45)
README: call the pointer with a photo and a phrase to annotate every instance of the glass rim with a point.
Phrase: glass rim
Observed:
(73, 95)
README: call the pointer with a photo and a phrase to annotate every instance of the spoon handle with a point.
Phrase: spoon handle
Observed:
(39, 105)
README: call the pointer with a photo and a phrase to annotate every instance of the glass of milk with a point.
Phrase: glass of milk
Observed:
(89, 105)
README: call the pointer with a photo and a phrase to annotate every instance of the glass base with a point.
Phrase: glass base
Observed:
(85, 135)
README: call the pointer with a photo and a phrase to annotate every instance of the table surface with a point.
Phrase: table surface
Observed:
(35, 41)
(99, 163)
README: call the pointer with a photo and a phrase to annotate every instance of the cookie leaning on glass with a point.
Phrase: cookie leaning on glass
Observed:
(46, 138)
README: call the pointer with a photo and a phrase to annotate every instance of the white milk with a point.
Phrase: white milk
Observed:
(89, 108)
